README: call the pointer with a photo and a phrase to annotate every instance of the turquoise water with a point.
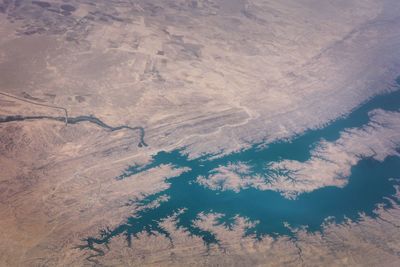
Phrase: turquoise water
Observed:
(370, 184)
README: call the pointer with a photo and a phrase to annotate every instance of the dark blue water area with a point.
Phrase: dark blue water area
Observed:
(370, 184)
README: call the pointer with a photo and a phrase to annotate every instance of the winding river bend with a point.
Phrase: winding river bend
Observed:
(371, 183)
(67, 119)
(75, 120)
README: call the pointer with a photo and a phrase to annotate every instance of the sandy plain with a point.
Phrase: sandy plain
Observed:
(211, 76)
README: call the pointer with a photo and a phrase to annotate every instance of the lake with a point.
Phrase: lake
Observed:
(370, 184)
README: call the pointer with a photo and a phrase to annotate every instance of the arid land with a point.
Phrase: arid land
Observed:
(208, 77)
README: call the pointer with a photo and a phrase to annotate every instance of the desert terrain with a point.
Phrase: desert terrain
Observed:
(207, 77)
